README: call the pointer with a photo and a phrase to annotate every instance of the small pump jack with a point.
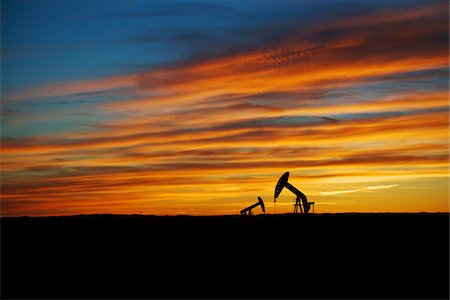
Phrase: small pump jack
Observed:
(248, 210)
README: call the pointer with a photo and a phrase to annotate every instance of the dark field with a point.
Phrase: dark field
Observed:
(266, 256)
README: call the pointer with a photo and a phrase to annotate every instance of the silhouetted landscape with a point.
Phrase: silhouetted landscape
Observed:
(262, 256)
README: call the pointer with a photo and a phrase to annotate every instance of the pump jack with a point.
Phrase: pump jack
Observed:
(248, 210)
(283, 182)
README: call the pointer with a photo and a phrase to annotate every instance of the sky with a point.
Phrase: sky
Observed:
(198, 107)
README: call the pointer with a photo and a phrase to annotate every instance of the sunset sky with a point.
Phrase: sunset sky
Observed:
(198, 107)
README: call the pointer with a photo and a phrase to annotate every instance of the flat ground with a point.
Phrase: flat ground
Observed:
(322, 256)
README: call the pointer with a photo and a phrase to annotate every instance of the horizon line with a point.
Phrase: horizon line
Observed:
(222, 215)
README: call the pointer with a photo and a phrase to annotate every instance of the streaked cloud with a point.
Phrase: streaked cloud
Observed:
(363, 189)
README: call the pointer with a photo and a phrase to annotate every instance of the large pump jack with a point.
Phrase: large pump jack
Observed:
(283, 182)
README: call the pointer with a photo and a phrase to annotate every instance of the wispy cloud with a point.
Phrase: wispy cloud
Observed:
(73, 88)
(363, 189)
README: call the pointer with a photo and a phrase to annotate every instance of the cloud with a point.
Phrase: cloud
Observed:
(10, 112)
(173, 9)
(377, 187)
(303, 58)
(74, 88)
(363, 189)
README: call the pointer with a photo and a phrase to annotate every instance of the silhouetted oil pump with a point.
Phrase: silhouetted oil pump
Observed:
(283, 182)
(248, 210)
